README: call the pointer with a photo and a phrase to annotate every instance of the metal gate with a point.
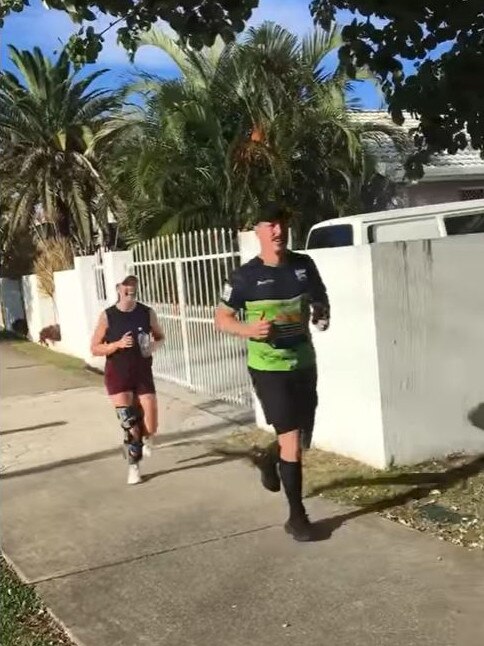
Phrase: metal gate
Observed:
(181, 278)
(100, 280)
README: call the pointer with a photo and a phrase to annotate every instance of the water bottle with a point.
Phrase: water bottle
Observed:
(144, 342)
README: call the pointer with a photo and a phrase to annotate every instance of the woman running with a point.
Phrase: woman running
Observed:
(127, 334)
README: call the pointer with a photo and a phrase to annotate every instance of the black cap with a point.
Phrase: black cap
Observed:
(272, 212)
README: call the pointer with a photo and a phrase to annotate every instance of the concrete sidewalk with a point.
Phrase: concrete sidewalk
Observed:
(196, 554)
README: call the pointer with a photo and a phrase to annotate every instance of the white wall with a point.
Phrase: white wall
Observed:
(348, 418)
(79, 309)
(429, 302)
(12, 305)
(70, 317)
(39, 308)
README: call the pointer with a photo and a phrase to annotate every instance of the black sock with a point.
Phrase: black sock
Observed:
(273, 451)
(291, 476)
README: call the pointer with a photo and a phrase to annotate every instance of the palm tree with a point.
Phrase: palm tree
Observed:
(48, 118)
(245, 122)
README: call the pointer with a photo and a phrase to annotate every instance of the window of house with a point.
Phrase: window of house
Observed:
(475, 193)
(461, 224)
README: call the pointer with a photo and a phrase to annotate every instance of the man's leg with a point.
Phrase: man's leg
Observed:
(277, 395)
(307, 397)
(290, 468)
(267, 459)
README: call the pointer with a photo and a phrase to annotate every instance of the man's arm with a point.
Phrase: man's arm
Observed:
(318, 298)
(232, 302)
(226, 321)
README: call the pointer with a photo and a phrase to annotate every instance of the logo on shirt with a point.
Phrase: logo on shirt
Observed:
(268, 281)
(300, 274)
(226, 292)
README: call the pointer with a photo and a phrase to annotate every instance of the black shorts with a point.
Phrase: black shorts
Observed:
(288, 398)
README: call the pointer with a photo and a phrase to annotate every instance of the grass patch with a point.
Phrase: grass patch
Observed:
(24, 621)
(54, 358)
(443, 497)
(6, 335)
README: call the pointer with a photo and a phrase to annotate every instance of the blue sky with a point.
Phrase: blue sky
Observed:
(49, 29)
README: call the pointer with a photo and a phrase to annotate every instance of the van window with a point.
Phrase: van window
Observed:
(461, 224)
(339, 235)
(389, 231)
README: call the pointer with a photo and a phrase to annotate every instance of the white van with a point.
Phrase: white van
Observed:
(415, 223)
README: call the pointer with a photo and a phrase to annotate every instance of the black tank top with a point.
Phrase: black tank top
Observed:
(121, 322)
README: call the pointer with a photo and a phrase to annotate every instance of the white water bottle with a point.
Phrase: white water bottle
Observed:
(144, 342)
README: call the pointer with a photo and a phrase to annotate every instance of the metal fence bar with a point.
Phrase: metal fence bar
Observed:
(181, 278)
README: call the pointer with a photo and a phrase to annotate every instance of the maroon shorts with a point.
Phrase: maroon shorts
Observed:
(135, 378)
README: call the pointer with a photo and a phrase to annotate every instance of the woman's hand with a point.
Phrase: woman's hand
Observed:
(126, 341)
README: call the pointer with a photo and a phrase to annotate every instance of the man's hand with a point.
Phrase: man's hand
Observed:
(126, 341)
(320, 317)
(258, 330)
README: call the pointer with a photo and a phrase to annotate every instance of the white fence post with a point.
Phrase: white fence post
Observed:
(180, 283)
(91, 306)
(116, 266)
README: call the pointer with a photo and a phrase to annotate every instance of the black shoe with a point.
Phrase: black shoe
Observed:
(300, 528)
(266, 461)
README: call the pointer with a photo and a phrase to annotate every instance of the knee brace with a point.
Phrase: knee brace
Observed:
(129, 417)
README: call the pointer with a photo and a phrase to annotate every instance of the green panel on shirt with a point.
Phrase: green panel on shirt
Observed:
(289, 346)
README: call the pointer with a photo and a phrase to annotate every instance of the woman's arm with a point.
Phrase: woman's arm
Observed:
(98, 346)
(156, 329)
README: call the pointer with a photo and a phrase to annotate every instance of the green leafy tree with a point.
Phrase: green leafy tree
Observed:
(198, 22)
(246, 122)
(48, 119)
(445, 39)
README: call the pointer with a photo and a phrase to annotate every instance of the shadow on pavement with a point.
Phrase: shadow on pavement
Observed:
(201, 465)
(476, 417)
(42, 468)
(38, 427)
(425, 482)
(107, 453)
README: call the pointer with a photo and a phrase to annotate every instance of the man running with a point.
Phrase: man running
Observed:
(126, 334)
(277, 291)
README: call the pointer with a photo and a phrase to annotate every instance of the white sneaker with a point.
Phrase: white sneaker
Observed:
(134, 476)
(148, 445)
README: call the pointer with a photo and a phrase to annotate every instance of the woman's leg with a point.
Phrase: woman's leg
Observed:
(149, 406)
(130, 423)
(137, 403)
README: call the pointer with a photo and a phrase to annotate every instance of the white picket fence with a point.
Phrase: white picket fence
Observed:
(100, 281)
(181, 277)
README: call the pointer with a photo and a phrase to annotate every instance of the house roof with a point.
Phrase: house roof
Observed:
(465, 163)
